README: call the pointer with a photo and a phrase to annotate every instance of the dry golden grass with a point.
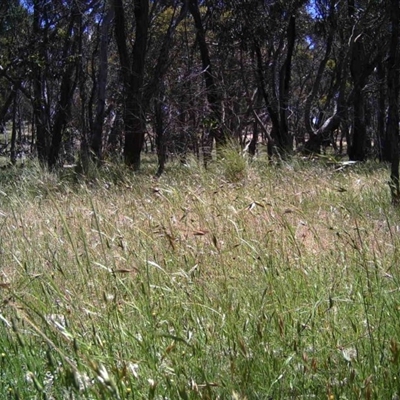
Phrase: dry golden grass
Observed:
(120, 227)
(292, 245)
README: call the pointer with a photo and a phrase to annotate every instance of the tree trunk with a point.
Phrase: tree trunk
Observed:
(318, 78)
(339, 116)
(358, 66)
(381, 115)
(62, 115)
(278, 107)
(393, 99)
(213, 97)
(39, 110)
(273, 113)
(7, 103)
(13, 150)
(285, 139)
(133, 78)
(67, 88)
(160, 135)
(97, 132)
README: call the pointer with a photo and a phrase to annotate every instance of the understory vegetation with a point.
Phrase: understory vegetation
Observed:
(246, 281)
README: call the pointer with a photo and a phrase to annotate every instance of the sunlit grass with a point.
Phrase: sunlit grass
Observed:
(252, 282)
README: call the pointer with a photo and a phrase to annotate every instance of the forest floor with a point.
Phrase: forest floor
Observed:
(246, 281)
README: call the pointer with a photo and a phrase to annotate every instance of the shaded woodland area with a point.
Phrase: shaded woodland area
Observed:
(103, 79)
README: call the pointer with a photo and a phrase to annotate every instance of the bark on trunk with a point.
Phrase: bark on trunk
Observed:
(393, 95)
(273, 113)
(381, 115)
(160, 136)
(40, 116)
(133, 78)
(213, 97)
(135, 115)
(67, 88)
(358, 73)
(317, 81)
(277, 107)
(285, 139)
(7, 104)
(13, 150)
(97, 132)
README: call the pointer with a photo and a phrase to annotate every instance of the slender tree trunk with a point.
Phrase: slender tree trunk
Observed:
(382, 144)
(339, 117)
(62, 115)
(67, 88)
(97, 132)
(279, 105)
(318, 78)
(273, 113)
(213, 97)
(285, 138)
(39, 110)
(160, 135)
(183, 124)
(13, 150)
(257, 100)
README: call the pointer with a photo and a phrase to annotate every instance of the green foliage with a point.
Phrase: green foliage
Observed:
(191, 287)
(232, 162)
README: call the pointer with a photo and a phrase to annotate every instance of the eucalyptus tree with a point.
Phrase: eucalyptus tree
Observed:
(334, 82)
(99, 83)
(355, 47)
(216, 130)
(268, 32)
(71, 58)
(14, 44)
(367, 51)
(140, 81)
(58, 29)
(321, 38)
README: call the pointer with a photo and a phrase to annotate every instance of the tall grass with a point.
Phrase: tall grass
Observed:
(274, 282)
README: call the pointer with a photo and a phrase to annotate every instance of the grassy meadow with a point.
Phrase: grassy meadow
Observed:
(243, 281)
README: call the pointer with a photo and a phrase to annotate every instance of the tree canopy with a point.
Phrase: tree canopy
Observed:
(97, 79)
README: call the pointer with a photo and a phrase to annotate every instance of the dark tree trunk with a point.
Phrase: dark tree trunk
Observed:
(62, 116)
(160, 135)
(339, 116)
(358, 146)
(254, 139)
(213, 97)
(393, 99)
(318, 78)
(273, 113)
(135, 115)
(277, 107)
(67, 88)
(285, 139)
(181, 142)
(383, 148)
(7, 104)
(13, 150)
(357, 67)
(133, 78)
(40, 115)
(163, 60)
(137, 95)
